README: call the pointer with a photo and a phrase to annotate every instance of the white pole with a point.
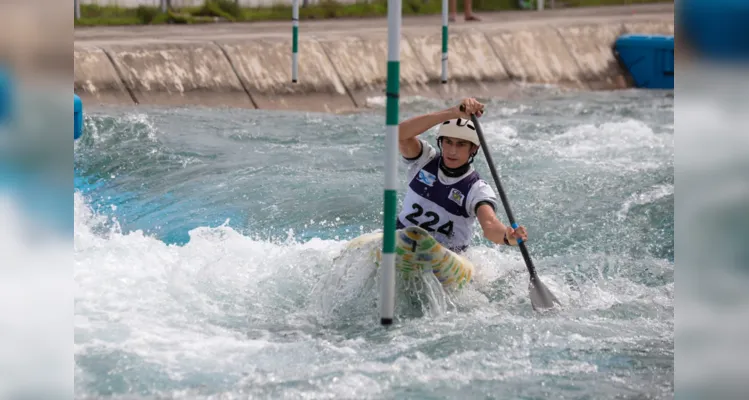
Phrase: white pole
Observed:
(387, 273)
(444, 41)
(295, 41)
(163, 6)
(540, 4)
(77, 6)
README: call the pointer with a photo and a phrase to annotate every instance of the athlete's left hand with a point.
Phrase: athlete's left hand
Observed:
(514, 234)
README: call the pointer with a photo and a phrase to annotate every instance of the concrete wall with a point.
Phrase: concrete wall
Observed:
(339, 72)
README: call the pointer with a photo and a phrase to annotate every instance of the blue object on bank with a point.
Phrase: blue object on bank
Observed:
(649, 59)
(6, 96)
(77, 117)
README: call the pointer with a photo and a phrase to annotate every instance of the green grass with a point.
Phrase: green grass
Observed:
(227, 10)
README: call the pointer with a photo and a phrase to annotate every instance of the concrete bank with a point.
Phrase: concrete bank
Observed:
(342, 63)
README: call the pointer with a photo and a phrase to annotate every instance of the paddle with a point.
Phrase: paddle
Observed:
(541, 297)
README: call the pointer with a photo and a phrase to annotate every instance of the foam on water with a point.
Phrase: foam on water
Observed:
(225, 311)
(264, 303)
(655, 193)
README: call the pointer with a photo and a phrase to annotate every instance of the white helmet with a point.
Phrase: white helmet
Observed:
(460, 128)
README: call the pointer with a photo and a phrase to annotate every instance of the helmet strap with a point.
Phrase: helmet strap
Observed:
(453, 172)
(473, 155)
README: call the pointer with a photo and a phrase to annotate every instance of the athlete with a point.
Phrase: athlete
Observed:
(445, 193)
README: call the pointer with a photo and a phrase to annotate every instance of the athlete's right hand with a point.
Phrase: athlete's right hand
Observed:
(470, 106)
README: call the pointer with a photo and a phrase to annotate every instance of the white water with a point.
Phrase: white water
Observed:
(233, 313)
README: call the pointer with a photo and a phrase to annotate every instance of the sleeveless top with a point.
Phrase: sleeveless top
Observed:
(439, 208)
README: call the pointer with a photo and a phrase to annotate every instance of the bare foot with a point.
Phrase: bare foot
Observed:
(472, 18)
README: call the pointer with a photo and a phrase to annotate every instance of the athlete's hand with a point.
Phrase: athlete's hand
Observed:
(470, 106)
(514, 234)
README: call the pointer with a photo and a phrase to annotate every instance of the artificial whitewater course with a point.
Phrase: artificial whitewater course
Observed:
(210, 256)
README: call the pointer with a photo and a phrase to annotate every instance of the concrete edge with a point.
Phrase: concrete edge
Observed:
(234, 69)
(433, 86)
(118, 70)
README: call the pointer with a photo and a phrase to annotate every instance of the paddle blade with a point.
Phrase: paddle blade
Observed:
(541, 297)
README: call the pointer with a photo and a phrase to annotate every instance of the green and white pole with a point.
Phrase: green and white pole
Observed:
(387, 269)
(295, 41)
(444, 41)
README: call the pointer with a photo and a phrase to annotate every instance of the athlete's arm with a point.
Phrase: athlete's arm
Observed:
(409, 129)
(495, 230)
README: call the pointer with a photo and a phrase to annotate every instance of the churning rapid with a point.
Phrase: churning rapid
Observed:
(208, 257)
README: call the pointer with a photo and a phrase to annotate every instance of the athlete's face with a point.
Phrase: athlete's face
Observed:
(456, 152)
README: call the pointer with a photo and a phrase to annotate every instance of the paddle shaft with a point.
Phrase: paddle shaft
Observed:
(505, 202)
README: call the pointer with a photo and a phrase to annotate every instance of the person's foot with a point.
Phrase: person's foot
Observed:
(452, 18)
(472, 18)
